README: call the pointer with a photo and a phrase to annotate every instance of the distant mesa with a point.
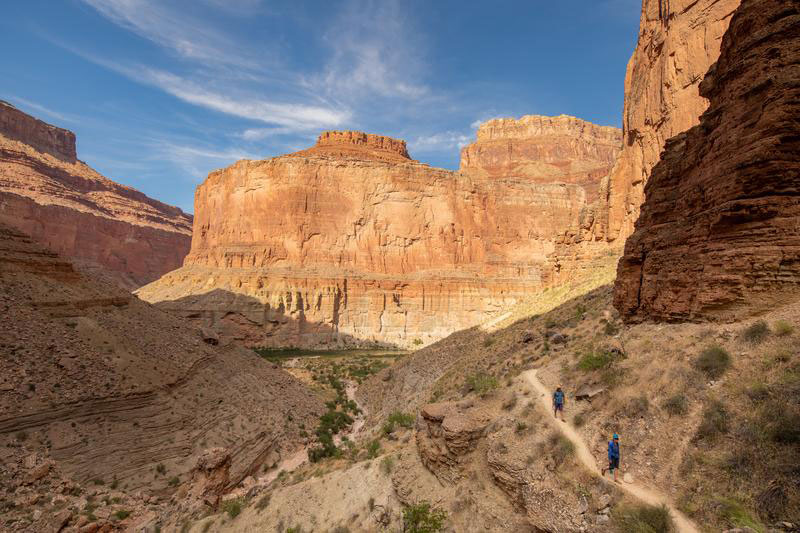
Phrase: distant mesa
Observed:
(64, 204)
(353, 242)
(358, 144)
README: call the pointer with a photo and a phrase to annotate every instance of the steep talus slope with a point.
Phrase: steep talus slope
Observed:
(351, 241)
(110, 388)
(718, 235)
(46, 192)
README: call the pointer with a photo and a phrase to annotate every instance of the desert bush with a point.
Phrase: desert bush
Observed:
(677, 404)
(561, 447)
(521, 427)
(579, 420)
(161, 469)
(642, 519)
(781, 423)
(481, 384)
(387, 464)
(595, 360)
(122, 515)
(756, 333)
(395, 419)
(422, 518)
(713, 361)
(373, 449)
(638, 406)
(783, 328)
(610, 329)
(487, 342)
(714, 421)
(734, 514)
(510, 402)
(263, 503)
(173, 481)
(232, 507)
(757, 392)
(417, 342)
(772, 501)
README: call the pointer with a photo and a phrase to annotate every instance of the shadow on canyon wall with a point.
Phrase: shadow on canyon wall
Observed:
(247, 321)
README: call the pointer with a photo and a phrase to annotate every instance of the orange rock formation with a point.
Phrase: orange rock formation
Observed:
(718, 235)
(46, 192)
(353, 241)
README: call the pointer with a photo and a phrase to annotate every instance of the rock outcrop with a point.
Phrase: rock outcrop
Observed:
(47, 193)
(719, 232)
(111, 388)
(678, 41)
(351, 241)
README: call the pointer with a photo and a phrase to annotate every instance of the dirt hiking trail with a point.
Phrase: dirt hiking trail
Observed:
(648, 496)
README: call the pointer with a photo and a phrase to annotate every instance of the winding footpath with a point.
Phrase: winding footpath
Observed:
(648, 496)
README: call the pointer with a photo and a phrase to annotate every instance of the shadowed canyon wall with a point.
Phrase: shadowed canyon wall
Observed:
(47, 193)
(718, 234)
(353, 241)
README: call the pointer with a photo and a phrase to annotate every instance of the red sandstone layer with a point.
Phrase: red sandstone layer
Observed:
(66, 205)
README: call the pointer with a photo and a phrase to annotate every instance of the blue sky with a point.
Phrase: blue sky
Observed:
(160, 92)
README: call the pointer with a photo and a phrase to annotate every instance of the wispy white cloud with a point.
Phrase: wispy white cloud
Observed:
(259, 134)
(197, 161)
(290, 115)
(25, 104)
(176, 30)
(448, 140)
(374, 50)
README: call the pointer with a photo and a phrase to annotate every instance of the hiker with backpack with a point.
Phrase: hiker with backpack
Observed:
(613, 457)
(558, 403)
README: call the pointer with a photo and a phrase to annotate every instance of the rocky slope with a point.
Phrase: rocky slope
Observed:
(46, 192)
(105, 389)
(353, 241)
(718, 234)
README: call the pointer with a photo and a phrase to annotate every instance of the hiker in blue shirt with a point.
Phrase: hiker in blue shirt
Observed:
(558, 403)
(613, 456)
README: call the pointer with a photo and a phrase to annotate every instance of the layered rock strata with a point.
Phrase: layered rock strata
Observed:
(678, 41)
(719, 232)
(352, 241)
(47, 193)
(111, 388)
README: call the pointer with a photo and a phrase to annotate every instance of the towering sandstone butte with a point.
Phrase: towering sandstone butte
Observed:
(46, 192)
(678, 41)
(719, 232)
(352, 241)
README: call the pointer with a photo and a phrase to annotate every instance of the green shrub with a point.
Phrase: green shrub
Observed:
(122, 515)
(638, 407)
(387, 464)
(417, 342)
(714, 422)
(579, 420)
(595, 360)
(676, 405)
(782, 423)
(173, 482)
(783, 328)
(422, 518)
(263, 503)
(481, 383)
(373, 449)
(161, 469)
(642, 519)
(756, 333)
(713, 361)
(734, 514)
(398, 418)
(561, 447)
(232, 507)
(295, 529)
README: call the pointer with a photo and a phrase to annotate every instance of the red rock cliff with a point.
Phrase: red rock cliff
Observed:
(64, 204)
(719, 232)
(353, 241)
